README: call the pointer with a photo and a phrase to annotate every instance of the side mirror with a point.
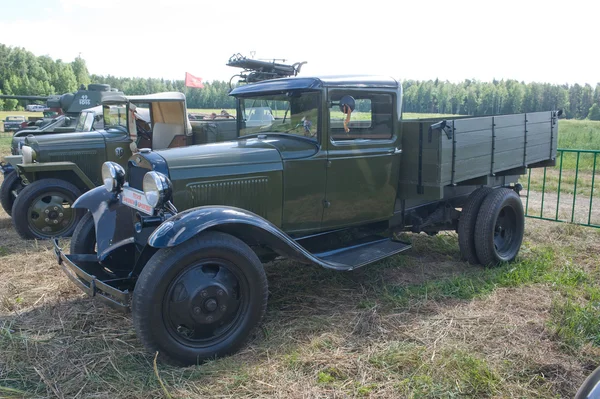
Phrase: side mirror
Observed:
(347, 104)
(67, 121)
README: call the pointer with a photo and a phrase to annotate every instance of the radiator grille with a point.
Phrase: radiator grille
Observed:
(135, 176)
(249, 194)
(86, 160)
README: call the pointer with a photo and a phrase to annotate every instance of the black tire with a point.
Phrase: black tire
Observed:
(466, 224)
(499, 228)
(203, 271)
(41, 203)
(84, 236)
(12, 182)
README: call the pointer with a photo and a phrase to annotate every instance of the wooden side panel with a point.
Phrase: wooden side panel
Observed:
(477, 147)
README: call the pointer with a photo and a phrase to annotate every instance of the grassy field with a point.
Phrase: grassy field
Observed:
(422, 324)
(26, 114)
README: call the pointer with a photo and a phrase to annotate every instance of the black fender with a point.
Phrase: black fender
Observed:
(106, 209)
(248, 226)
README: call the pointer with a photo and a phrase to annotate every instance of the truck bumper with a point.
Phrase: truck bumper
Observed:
(93, 279)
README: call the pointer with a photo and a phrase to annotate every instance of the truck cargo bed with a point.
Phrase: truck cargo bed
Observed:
(460, 151)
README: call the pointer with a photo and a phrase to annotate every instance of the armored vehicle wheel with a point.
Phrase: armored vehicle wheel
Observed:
(43, 209)
(466, 224)
(83, 240)
(12, 182)
(499, 227)
(200, 299)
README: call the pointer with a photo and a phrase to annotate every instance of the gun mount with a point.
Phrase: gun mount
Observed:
(259, 70)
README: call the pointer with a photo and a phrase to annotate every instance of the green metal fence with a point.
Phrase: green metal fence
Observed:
(566, 192)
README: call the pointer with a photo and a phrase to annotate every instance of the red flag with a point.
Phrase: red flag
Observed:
(192, 81)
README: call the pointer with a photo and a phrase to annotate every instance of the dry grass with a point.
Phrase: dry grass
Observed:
(423, 324)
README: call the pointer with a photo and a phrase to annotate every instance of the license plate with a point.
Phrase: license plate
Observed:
(136, 199)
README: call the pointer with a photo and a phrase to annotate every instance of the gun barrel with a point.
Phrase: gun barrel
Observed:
(31, 98)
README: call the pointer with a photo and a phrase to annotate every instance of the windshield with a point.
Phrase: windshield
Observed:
(85, 122)
(292, 113)
(115, 117)
(15, 118)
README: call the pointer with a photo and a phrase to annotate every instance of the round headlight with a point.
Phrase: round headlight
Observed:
(157, 188)
(28, 154)
(113, 176)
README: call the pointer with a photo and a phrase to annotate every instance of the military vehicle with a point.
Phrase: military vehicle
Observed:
(68, 106)
(180, 235)
(63, 115)
(57, 168)
(89, 119)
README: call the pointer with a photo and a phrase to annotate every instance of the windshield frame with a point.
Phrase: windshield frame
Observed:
(270, 96)
(119, 127)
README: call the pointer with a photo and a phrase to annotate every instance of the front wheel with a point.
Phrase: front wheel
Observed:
(499, 228)
(43, 209)
(83, 240)
(199, 300)
(11, 185)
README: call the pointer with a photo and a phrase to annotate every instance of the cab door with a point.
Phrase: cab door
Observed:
(362, 161)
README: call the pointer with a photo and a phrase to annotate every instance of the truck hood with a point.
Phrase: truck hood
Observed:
(73, 147)
(65, 140)
(220, 159)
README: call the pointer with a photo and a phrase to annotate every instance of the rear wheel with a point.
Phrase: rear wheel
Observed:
(11, 185)
(43, 209)
(499, 228)
(466, 224)
(199, 300)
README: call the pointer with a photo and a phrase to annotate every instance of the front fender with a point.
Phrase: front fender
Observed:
(30, 170)
(247, 226)
(106, 209)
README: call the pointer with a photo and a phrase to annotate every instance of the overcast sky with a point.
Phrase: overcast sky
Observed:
(542, 41)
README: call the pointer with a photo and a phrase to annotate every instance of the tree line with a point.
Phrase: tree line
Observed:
(23, 73)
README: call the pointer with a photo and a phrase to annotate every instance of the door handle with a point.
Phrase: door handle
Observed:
(395, 151)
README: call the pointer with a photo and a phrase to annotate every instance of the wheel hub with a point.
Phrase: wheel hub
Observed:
(54, 214)
(209, 304)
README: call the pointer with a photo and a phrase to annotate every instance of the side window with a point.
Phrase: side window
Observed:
(371, 119)
(115, 117)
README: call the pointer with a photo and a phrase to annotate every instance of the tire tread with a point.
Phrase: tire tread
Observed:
(466, 224)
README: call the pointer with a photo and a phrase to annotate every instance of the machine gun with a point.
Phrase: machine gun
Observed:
(258, 70)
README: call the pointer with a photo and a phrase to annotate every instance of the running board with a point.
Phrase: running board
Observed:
(355, 256)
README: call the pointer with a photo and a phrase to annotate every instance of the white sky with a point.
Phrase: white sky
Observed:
(543, 41)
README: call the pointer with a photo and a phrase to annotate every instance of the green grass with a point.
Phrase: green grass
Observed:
(4, 146)
(582, 135)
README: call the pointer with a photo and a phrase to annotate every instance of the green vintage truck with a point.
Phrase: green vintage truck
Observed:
(180, 235)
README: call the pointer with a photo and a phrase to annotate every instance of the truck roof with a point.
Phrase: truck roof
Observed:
(155, 97)
(316, 83)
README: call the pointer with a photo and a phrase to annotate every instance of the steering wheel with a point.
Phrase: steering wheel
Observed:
(143, 132)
